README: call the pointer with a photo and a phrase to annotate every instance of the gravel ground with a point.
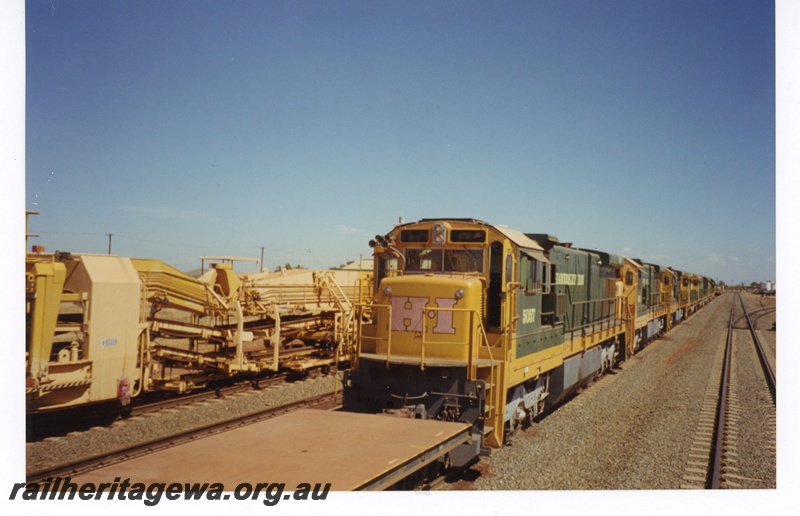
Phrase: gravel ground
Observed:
(635, 429)
(130, 432)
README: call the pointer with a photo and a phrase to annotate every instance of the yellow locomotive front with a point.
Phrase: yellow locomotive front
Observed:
(425, 352)
(428, 319)
(429, 299)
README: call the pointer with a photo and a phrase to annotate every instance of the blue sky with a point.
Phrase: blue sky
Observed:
(192, 128)
(189, 128)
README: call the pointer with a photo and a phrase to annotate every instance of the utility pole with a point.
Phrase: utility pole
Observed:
(28, 214)
(261, 263)
(109, 242)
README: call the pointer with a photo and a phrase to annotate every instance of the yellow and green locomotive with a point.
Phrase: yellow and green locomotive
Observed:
(483, 324)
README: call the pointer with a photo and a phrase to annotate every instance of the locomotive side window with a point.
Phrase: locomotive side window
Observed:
(549, 295)
(629, 278)
(644, 284)
(531, 273)
(548, 277)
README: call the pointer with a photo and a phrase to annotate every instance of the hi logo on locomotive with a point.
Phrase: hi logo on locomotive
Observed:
(407, 313)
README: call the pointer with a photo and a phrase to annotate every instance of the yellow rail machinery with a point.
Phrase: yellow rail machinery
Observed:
(86, 337)
(103, 328)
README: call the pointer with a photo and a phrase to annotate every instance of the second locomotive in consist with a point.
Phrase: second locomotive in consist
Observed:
(491, 326)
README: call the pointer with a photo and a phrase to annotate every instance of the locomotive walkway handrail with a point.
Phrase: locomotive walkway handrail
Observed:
(470, 341)
(475, 324)
(606, 323)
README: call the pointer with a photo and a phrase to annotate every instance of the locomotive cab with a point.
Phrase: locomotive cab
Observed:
(429, 352)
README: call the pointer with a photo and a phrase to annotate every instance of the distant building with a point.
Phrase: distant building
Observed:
(357, 265)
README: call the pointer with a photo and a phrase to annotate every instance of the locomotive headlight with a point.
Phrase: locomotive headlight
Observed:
(387, 291)
(439, 234)
(460, 293)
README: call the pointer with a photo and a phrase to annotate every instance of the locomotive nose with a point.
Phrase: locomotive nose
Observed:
(425, 317)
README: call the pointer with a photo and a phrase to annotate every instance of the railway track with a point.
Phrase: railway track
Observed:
(747, 394)
(43, 426)
(188, 399)
(85, 465)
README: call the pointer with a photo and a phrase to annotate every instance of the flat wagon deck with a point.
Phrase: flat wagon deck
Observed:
(348, 450)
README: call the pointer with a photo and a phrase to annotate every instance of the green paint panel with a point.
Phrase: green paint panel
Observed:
(539, 341)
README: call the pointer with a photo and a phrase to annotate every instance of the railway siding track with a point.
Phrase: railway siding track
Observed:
(753, 429)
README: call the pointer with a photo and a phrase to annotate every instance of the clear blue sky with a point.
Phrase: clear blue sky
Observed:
(189, 128)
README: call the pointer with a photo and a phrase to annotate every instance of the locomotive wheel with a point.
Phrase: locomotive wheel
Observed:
(517, 418)
(606, 367)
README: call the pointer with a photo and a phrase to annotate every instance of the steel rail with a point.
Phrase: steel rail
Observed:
(768, 373)
(716, 459)
(146, 407)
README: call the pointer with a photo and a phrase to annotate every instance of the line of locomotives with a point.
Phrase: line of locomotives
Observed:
(103, 329)
(490, 326)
